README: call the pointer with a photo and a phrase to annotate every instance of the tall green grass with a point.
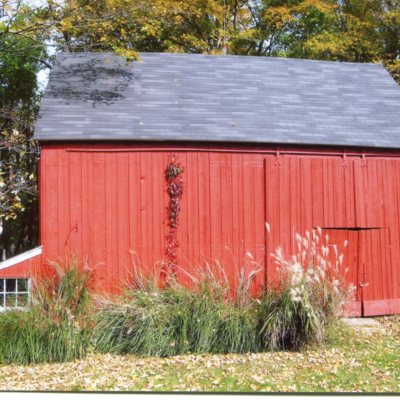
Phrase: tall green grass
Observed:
(214, 316)
(285, 324)
(170, 322)
(174, 320)
(177, 321)
(198, 312)
(57, 326)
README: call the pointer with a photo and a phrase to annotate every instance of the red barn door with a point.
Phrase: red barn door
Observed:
(352, 199)
(367, 261)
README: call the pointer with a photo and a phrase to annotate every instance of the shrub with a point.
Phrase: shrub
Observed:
(56, 327)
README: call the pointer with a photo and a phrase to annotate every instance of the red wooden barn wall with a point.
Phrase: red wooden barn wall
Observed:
(101, 201)
(25, 269)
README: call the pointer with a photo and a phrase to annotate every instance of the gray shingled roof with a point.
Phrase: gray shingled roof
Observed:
(189, 97)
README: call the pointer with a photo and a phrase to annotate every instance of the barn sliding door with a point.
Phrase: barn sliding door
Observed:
(353, 199)
(366, 264)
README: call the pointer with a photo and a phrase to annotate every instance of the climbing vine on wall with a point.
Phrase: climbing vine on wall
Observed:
(173, 176)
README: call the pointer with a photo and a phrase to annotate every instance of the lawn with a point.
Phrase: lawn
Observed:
(365, 359)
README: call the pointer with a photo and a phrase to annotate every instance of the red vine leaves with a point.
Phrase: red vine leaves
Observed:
(173, 176)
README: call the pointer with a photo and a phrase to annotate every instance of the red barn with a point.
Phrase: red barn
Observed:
(300, 144)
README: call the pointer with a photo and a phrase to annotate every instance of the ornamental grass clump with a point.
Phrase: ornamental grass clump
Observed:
(205, 312)
(309, 297)
(199, 317)
(148, 323)
(56, 327)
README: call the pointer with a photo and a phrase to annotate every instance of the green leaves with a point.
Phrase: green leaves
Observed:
(22, 56)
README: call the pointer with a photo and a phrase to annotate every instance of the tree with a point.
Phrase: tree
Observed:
(344, 30)
(126, 27)
(21, 56)
(358, 31)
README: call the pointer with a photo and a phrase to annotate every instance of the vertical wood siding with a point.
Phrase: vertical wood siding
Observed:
(25, 269)
(107, 205)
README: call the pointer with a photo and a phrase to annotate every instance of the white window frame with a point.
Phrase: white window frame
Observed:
(4, 292)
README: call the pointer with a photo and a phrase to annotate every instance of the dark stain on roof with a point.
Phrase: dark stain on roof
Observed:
(90, 81)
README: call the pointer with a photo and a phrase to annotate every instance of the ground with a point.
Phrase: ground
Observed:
(358, 359)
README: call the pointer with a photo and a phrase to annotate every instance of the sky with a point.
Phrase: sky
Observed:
(35, 2)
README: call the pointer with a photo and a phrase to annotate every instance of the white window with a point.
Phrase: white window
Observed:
(14, 293)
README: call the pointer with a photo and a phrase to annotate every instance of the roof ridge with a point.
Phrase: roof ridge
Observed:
(222, 56)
